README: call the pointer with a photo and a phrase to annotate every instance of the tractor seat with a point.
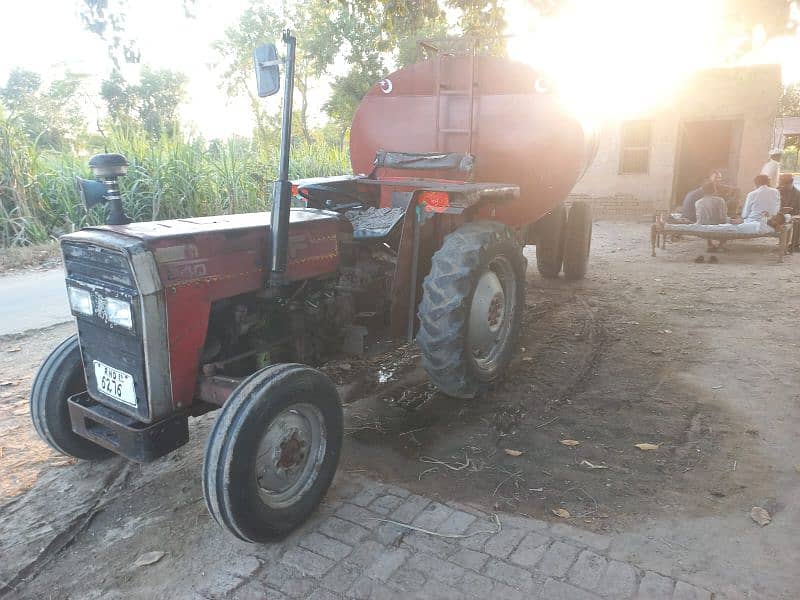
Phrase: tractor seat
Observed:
(374, 223)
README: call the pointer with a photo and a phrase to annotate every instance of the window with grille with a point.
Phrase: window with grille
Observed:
(635, 147)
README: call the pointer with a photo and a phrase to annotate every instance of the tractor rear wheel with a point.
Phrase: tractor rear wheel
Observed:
(59, 377)
(272, 452)
(471, 308)
(550, 231)
(578, 241)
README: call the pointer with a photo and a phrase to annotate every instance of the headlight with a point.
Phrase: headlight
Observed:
(80, 300)
(118, 312)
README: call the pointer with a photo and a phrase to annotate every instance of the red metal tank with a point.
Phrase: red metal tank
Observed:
(516, 128)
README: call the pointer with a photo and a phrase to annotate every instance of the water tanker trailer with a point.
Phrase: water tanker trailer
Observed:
(458, 162)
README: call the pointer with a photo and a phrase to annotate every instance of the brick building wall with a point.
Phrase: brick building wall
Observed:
(747, 97)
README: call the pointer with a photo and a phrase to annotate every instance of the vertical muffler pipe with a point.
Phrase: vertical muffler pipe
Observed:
(282, 188)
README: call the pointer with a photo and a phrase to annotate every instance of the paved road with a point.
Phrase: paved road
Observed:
(352, 553)
(32, 300)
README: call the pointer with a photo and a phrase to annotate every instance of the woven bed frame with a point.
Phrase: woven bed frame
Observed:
(660, 230)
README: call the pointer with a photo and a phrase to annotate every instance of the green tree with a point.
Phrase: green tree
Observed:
(152, 103)
(51, 115)
(790, 101)
(260, 23)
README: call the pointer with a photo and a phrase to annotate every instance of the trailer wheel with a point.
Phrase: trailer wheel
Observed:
(550, 237)
(59, 377)
(578, 241)
(471, 308)
(272, 452)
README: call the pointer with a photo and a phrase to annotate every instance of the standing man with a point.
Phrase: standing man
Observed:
(772, 168)
(688, 210)
(790, 204)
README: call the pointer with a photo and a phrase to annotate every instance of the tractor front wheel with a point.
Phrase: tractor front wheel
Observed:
(273, 452)
(471, 308)
(578, 241)
(59, 377)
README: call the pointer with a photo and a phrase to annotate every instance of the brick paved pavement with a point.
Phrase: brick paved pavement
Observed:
(345, 551)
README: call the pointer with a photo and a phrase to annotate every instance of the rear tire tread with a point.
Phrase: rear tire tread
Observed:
(550, 242)
(578, 240)
(446, 295)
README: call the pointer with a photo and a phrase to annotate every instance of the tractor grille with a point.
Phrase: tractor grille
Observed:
(108, 273)
(97, 264)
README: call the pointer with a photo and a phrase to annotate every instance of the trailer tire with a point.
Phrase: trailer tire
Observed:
(578, 242)
(61, 376)
(282, 427)
(551, 230)
(471, 308)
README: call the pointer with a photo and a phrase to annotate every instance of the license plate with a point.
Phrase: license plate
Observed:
(114, 383)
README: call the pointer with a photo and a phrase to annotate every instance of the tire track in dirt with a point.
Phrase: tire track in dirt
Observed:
(114, 480)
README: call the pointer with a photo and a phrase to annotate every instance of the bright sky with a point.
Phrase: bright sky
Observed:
(621, 57)
(609, 58)
(47, 36)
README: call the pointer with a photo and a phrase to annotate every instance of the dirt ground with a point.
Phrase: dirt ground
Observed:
(698, 359)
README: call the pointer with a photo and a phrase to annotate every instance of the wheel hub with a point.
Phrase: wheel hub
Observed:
(496, 310)
(486, 313)
(491, 313)
(290, 454)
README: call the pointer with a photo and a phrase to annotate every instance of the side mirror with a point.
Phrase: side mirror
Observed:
(268, 75)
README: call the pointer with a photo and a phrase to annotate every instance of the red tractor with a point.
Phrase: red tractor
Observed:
(177, 318)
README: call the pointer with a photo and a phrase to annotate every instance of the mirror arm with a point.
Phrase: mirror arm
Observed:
(282, 189)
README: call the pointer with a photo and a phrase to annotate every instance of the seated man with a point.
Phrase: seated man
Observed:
(710, 209)
(761, 204)
(688, 207)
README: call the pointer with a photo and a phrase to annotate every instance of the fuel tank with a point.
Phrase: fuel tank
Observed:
(501, 111)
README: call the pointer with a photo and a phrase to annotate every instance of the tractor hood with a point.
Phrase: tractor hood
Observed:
(153, 231)
(202, 249)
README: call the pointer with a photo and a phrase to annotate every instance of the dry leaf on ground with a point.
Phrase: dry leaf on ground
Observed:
(591, 465)
(647, 446)
(512, 452)
(561, 512)
(760, 516)
(148, 558)
(570, 442)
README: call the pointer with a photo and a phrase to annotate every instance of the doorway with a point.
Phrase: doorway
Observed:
(702, 147)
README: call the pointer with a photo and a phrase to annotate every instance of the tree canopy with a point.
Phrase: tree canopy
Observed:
(50, 115)
(153, 102)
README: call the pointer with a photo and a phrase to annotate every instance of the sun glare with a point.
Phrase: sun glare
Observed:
(621, 57)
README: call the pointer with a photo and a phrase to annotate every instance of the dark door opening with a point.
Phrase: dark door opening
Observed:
(703, 147)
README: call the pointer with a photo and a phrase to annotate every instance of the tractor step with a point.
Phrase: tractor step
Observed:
(124, 435)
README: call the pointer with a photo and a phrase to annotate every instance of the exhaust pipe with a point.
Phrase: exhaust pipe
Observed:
(282, 188)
